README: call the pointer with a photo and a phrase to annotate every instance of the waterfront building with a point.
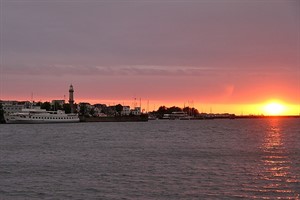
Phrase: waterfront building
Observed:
(58, 102)
(126, 110)
(14, 106)
(99, 110)
(136, 111)
(111, 111)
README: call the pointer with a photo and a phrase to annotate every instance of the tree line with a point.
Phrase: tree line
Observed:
(165, 110)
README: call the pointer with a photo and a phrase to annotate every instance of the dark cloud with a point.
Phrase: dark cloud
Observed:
(78, 70)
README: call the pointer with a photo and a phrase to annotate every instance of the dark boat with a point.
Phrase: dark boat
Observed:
(127, 118)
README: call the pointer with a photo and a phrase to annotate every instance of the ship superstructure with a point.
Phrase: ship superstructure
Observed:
(37, 115)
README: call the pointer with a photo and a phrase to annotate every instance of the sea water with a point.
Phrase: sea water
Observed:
(161, 159)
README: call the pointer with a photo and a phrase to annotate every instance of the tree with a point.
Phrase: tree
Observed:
(195, 112)
(38, 103)
(119, 109)
(173, 109)
(74, 108)
(46, 105)
(161, 111)
(92, 112)
(67, 108)
(56, 106)
(84, 109)
(191, 111)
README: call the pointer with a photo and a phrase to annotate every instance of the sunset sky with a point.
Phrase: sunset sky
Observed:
(221, 55)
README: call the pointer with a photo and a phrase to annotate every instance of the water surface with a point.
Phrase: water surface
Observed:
(205, 159)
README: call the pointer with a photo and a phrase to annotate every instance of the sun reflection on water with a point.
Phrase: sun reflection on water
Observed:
(275, 173)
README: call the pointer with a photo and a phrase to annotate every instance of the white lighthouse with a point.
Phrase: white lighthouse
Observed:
(71, 98)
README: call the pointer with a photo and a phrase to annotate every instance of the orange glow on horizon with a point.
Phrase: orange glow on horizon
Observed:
(272, 107)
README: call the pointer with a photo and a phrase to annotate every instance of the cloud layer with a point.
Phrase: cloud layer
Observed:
(238, 49)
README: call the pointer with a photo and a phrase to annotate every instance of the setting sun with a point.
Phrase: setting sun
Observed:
(274, 108)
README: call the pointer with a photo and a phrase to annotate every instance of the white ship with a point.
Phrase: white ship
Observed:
(179, 115)
(37, 115)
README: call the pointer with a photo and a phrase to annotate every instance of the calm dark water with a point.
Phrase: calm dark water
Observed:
(212, 159)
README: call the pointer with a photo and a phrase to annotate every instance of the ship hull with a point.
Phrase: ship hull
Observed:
(135, 118)
(39, 121)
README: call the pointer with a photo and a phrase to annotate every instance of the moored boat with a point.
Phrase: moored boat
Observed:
(37, 115)
(128, 118)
